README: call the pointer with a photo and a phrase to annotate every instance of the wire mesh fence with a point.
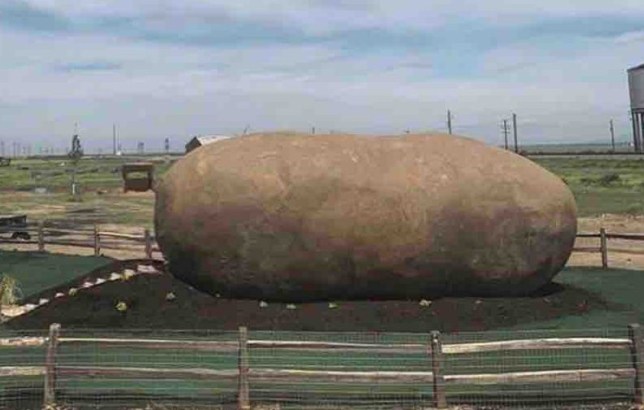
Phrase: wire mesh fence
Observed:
(122, 369)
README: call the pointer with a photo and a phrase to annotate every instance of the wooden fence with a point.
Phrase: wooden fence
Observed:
(41, 235)
(603, 248)
(434, 350)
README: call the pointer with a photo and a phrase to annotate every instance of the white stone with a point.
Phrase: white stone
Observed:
(129, 273)
(146, 269)
(29, 307)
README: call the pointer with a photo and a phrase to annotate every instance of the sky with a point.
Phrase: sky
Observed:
(161, 68)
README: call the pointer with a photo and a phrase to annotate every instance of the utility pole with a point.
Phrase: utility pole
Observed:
(114, 139)
(506, 131)
(2, 148)
(449, 121)
(167, 145)
(612, 135)
(516, 137)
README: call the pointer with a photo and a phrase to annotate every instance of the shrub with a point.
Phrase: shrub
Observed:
(609, 179)
(10, 292)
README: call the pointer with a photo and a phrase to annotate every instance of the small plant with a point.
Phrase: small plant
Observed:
(10, 292)
(609, 179)
(425, 302)
(121, 307)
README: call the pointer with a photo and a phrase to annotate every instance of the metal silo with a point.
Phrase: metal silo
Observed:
(636, 88)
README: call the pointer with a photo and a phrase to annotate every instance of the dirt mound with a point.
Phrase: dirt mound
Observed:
(148, 307)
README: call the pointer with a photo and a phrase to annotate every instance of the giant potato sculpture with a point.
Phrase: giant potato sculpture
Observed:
(300, 217)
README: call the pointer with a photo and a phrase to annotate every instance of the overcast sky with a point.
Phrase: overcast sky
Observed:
(162, 68)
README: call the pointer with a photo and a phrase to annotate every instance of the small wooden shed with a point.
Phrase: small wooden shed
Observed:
(197, 142)
(138, 177)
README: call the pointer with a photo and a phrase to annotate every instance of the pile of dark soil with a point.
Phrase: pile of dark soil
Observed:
(149, 308)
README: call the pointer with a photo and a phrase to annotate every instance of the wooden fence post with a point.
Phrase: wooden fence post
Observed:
(97, 242)
(243, 399)
(148, 244)
(438, 386)
(41, 236)
(49, 399)
(603, 247)
(637, 358)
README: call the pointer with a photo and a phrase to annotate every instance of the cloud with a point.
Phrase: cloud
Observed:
(630, 37)
(167, 68)
(88, 66)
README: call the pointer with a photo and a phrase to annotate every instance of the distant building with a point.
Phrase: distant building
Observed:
(636, 88)
(197, 142)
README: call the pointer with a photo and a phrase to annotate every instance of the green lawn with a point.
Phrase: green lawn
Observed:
(618, 286)
(621, 287)
(36, 272)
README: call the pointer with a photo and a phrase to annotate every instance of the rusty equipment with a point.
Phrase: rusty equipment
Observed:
(138, 183)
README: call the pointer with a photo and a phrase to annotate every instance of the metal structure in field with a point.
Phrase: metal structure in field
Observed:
(138, 177)
(636, 88)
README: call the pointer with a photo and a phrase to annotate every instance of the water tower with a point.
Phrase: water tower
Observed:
(636, 88)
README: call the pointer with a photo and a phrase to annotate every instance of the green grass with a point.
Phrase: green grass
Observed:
(622, 287)
(610, 184)
(55, 173)
(602, 185)
(36, 272)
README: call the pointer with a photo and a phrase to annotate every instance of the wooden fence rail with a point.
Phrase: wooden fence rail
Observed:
(603, 247)
(245, 373)
(43, 235)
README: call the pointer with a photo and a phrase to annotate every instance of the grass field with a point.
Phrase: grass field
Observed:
(602, 185)
(608, 184)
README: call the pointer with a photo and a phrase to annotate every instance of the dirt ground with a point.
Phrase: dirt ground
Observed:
(189, 308)
(612, 224)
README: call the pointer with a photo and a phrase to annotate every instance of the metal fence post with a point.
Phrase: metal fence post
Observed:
(148, 244)
(438, 385)
(97, 242)
(637, 358)
(49, 396)
(243, 399)
(41, 236)
(603, 247)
